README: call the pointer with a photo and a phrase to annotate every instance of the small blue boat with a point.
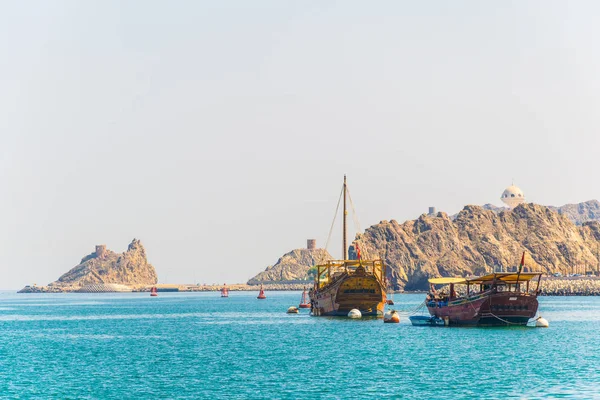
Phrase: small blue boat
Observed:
(424, 320)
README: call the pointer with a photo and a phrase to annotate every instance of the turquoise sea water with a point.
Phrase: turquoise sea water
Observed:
(188, 345)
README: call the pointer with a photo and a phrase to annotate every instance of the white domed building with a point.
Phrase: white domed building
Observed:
(513, 196)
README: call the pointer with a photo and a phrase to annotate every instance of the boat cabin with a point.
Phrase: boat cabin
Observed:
(471, 288)
(333, 270)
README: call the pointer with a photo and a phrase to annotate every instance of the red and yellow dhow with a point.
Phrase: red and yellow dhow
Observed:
(348, 284)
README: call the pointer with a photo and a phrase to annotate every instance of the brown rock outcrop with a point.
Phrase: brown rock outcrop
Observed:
(580, 213)
(292, 267)
(479, 240)
(106, 266)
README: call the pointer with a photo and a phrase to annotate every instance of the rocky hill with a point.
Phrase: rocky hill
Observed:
(292, 267)
(486, 206)
(580, 213)
(106, 266)
(478, 240)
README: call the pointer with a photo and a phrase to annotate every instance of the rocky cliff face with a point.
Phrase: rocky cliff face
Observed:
(580, 213)
(486, 206)
(293, 266)
(477, 240)
(105, 266)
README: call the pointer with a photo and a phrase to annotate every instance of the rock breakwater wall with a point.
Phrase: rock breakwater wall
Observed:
(570, 286)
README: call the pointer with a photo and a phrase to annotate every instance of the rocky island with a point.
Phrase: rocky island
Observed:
(293, 268)
(105, 271)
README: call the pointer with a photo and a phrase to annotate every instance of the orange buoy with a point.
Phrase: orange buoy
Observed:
(153, 291)
(224, 291)
(391, 317)
(261, 295)
(304, 302)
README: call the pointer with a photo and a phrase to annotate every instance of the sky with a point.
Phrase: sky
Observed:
(218, 132)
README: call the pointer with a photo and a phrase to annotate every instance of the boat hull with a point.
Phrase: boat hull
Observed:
(496, 309)
(348, 292)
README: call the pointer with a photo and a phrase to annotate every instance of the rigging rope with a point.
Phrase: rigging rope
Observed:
(415, 310)
(354, 215)
(503, 320)
(337, 208)
(356, 222)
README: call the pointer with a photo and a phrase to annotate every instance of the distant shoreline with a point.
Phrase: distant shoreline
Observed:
(551, 286)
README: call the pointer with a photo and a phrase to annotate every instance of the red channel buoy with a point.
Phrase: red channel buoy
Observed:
(224, 291)
(304, 302)
(153, 291)
(261, 295)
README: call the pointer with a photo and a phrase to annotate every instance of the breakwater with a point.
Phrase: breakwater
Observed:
(570, 286)
(233, 287)
(106, 288)
(550, 286)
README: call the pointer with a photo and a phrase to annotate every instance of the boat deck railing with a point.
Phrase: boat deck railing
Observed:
(333, 270)
(473, 296)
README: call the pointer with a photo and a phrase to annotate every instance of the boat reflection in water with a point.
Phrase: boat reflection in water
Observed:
(506, 298)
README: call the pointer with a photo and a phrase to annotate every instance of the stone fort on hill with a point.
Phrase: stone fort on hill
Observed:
(105, 270)
(105, 266)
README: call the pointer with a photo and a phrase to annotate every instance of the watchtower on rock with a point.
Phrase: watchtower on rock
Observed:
(311, 244)
(100, 250)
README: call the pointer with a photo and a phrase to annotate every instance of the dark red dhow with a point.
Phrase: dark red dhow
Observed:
(506, 298)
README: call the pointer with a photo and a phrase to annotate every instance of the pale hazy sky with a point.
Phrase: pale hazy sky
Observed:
(218, 132)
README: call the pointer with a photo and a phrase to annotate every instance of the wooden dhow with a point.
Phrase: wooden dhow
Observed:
(347, 284)
(501, 298)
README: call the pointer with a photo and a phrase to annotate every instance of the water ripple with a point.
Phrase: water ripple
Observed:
(189, 346)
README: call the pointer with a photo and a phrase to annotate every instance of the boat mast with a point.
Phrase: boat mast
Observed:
(344, 244)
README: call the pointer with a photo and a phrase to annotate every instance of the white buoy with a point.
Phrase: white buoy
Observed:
(541, 323)
(354, 313)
